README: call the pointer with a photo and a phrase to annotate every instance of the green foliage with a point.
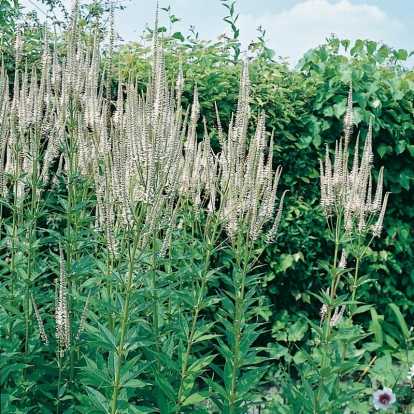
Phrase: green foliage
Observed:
(154, 339)
(305, 107)
(8, 14)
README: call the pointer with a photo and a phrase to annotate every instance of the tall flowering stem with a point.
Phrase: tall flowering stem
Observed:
(248, 187)
(145, 159)
(21, 135)
(199, 183)
(354, 216)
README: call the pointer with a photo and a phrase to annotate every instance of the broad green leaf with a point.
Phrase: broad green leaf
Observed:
(5, 371)
(97, 399)
(99, 377)
(404, 179)
(43, 409)
(197, 366)
(339, 109)
(204, 338)
(402, 54)
(297, 331)
(277, 350)
(371, 47)
(400, 319)
(165, 387)
(135, 383)
(179, 36)
(216, 387)
(286, 261)
(382, 149)
(196, 398)
(376, 326)
(107, 337)
(362, 99)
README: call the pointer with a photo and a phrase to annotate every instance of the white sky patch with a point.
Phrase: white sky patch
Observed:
(292, 32)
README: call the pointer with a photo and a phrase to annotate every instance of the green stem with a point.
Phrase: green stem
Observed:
(71, 150)
(16, 224)
(59, 362)
(238, 313)
(26, 323)
(125, 322)
(360, 253)
(32, 230)
(125, 316)
(327, 330)
(193, 330)
(353, 296)
(155, 305)
(196, 312)
(13, 240)
(109, 266)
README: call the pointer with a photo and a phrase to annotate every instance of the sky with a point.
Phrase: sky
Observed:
(292, 26)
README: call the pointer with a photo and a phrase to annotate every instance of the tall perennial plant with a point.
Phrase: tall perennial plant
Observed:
(354, 215)
(115, 218)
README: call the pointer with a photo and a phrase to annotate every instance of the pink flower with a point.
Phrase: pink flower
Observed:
(384, 398)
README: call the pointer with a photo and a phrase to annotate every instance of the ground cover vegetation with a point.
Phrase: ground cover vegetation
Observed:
(189, 227)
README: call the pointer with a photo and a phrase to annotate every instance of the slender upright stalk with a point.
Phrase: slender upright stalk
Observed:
(31, 238)
(155, 303)
(193, 328)
(239, 303)
(60, 369)
(16, 224)
(71, 200)
(197, 307)
(125, 315)
(334, 283)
